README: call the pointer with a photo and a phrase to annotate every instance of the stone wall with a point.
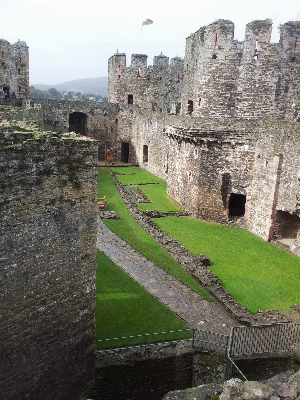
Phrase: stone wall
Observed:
(95, 120)
(206, 161)
(48, 236)
(14, 68)
(275, 185)
(251, 79)
(21, 113)
(156, 87)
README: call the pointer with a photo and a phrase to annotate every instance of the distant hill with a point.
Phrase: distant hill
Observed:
(97, 86)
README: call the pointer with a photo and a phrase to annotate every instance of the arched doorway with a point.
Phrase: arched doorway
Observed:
(78, 123)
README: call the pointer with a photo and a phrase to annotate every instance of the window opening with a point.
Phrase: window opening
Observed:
(117, 120)
(130, 99)
(190, 107)
(145, 153)
(216, 39)
(293, 59)
(214, 57)
(237, 204)
(6, 92)
(199, 101)
(78, 123)
(256, 44)
(296, 42)
(255, 57)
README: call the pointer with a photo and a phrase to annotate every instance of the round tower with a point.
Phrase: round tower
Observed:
(116, 74)
(5, 66)
(21, 57)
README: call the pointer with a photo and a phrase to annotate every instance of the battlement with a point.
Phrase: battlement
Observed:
(219, 76)
(155, 86)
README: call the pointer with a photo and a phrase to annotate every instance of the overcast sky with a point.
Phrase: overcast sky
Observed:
(73, 39)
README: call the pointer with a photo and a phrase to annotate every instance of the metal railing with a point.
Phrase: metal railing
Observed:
(210, 341)
(233, 371)
(263, 339)
(243, 341)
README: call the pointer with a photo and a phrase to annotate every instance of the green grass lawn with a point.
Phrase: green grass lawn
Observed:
(130, 231)
(155, 191)
(256, 273)
(124, 308)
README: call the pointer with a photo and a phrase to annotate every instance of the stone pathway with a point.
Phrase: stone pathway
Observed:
(197, 312)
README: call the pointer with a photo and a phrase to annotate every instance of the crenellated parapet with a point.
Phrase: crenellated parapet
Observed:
(219, 76)
(14, 68)
(155, 87)
(249, 79)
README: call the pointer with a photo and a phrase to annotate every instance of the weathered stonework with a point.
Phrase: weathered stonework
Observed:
(249, 79)
(14, 68)
(206, 161)
(156, 87)
(48, 236)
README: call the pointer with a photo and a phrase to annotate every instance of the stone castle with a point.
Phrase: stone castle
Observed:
(221, 127)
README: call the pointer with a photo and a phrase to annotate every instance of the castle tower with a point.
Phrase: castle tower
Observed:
(21, 55)
(14, 68)
(210, 69)
(290, 52)
(257, 76)
(116, 76)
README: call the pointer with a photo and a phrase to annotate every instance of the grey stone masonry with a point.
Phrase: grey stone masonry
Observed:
(14, 68)
(47, 259)
(156, 87)
(251, 79)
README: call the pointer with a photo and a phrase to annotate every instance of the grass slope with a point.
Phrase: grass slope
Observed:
(130, 231)
(256, 273)
(123, 308)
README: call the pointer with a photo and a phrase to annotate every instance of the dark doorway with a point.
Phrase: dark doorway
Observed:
(78, 123)
(6, 93)
(130, 99)
(124, 152)
(237, 204)
(286, 225)
(190, 107)
(145, 153)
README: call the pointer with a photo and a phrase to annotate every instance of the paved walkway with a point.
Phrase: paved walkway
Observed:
(197, 312)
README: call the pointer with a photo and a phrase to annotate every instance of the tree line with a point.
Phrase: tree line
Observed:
(53, 93)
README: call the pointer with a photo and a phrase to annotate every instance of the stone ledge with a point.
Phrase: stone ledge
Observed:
(108, 215)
